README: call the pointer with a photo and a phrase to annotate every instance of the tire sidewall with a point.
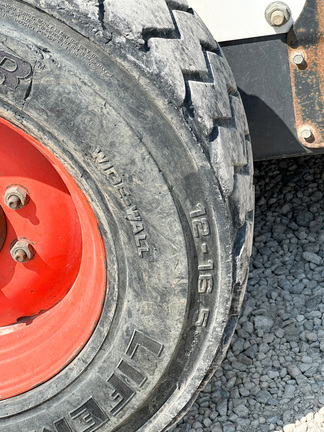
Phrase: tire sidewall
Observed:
(84, 118)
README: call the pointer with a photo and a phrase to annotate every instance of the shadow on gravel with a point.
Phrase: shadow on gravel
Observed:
(272, 378)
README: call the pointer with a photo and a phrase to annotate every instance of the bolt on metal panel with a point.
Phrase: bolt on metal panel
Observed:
(238, 19)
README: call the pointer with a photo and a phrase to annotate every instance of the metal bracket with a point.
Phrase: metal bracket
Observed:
(306, 61)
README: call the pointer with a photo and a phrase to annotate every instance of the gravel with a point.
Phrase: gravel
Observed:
(272, 378)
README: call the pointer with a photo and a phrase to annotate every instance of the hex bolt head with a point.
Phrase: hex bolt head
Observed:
(277, 14)
(15, 197)
(22, 251)
(307, 134)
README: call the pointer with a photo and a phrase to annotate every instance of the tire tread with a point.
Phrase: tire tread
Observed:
(174, 45)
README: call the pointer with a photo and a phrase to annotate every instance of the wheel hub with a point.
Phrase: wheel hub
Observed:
(3, 228)
(52, 264)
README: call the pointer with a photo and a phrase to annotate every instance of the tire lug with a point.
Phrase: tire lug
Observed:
(15, 198)
(22, 251)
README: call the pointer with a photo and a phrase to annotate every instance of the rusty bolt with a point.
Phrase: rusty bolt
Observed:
(277, 14)
(15, 197)
(299, 59)
(307, 134)
(22, 251)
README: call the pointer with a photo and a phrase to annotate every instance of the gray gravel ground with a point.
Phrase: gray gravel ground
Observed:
(272, 378)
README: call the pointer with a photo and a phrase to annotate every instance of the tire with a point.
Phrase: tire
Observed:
(137, 102)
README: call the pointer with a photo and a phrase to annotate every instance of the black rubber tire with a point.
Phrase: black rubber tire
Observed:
(138, 102)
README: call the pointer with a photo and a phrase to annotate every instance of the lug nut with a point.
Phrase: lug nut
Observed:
(277, 14)
(22, 251)
(15, 197)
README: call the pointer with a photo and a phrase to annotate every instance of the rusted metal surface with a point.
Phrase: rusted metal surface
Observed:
(306, 54)
(3, 228)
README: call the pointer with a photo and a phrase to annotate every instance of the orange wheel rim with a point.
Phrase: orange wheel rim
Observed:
(50, 298)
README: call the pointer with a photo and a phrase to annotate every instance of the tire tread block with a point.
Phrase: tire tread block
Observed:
(210, 101)
(229, 149)
(133, 18)
(180, 59)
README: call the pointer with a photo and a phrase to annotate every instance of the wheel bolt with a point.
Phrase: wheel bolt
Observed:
(15, 197)
(20, 256)
(22, 251)
(14, 202)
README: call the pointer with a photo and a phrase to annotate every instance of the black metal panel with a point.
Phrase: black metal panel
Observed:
(261, 69)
